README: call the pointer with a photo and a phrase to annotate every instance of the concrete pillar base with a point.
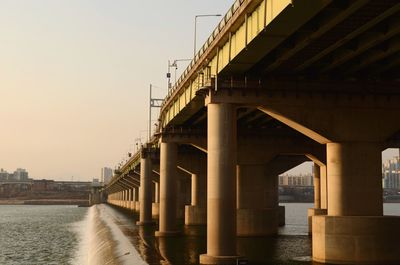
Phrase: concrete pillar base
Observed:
(356, 239)
(167, 233)
(281, 215)
(155, 210)
(257, 222)
(145, 223)
(132, 206)
(219, 260)
(137, 206)
(195, 215)
(314, 212)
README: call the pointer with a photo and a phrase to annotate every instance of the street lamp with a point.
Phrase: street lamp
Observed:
(173, 64)
(153, 103)
(195, 27)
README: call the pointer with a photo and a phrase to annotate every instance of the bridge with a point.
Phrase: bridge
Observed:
(278, 83)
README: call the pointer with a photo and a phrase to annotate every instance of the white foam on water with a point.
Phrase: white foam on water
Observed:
(81, 228)
(125, 250)
(101, 241)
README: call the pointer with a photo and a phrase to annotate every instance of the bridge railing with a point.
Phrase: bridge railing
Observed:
(233, 9)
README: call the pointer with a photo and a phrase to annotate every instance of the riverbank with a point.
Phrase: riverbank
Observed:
(46, 202)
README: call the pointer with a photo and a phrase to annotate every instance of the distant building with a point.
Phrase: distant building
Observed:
(296, 180)
(391, 173)
(3, 175)
(20, 175)
(106, 175)
(96, 183)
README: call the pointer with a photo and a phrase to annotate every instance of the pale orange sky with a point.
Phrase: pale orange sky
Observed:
(74, 78)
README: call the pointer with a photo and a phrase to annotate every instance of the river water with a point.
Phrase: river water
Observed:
(36, 235)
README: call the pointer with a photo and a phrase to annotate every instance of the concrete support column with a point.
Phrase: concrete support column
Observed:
(128, 200)
(221, 185)
(317, 186)
(131, 202)
(257, 201)
(323, 187)
(317, 196)
(156, 192)
(354, 179)
(155, 208)
(196, 212)
(136, 199)
(124, 198)
(168, 189)
(195, 191)
(354, 231)
(145, 189)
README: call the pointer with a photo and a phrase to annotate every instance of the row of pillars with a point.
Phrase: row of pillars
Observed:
(126, 199)
(348, 197)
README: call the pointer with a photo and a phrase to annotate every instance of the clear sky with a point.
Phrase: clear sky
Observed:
(74, 77)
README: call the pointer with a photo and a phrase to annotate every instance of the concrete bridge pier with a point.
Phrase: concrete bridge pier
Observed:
(196, 212)
(168, 189)
(119, 198)
(125, 198)
(221, 185)
(145, 188)
(257, 201)
(193, 164)
(183, 198)
(128, 199)
(131, 199)
(136, 200)
(122, 200)
(318, 194)
(354, 231)
(155, 205)
(114, 198)
(111, 198)
(355, 130)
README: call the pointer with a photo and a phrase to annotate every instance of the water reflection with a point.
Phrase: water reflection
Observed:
(183, 249)
(291, 247)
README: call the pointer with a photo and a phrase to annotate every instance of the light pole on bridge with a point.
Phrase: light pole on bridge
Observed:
(195, 29)
(173, 64)
(153, 103)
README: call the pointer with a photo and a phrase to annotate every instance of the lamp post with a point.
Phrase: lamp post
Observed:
(195, 28)
(173, 64)
(153, 103)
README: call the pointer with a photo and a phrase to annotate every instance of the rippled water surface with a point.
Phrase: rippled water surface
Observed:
(39, 234)
(291, 247)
